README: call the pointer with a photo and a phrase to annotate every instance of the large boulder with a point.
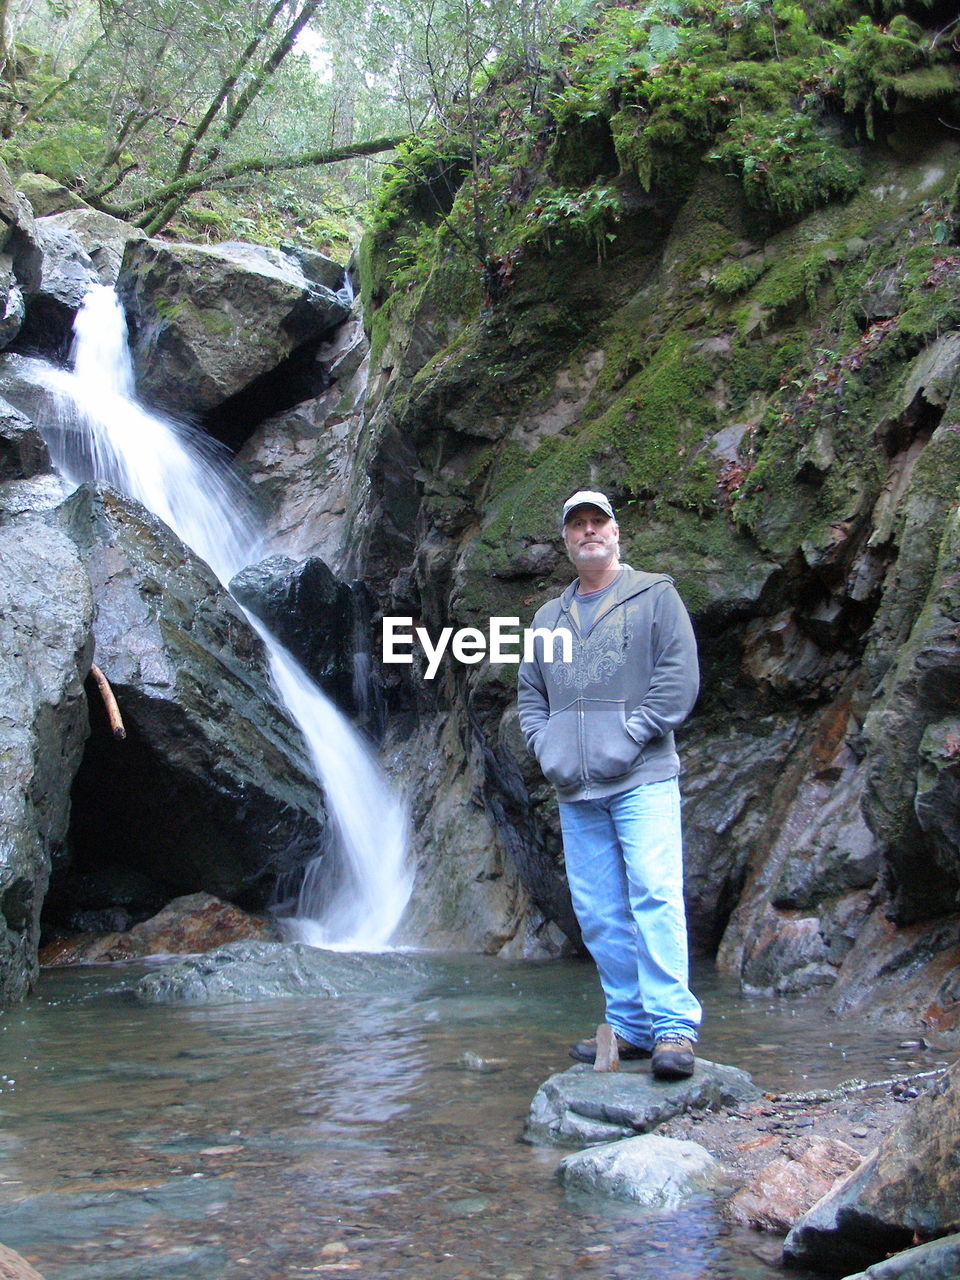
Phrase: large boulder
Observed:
(324, 623)
(45, 614)
(938, 1260)
(67, 274)
(210, 789)
(656, 1172)
(581, 1107)
(905, 1191)
(101, 236)
(206, 322)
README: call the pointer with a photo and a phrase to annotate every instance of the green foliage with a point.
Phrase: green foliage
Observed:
(624, 46)
(871, 59)
(787, 164)
(587, 215)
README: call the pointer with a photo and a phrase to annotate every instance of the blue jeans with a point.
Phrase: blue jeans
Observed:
(624, 862)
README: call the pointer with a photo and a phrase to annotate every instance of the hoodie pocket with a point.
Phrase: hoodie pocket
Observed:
(558, 750)
(610, 751)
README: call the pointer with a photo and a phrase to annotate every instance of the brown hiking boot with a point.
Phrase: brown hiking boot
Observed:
(586, 1050)
(672, 1057)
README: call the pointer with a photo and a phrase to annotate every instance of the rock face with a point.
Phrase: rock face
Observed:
(210, 789)
(20, 259)
(302, 464)
(207, 322)
(324, 623)
(906, 1190)
(655, 1172)
(45, 615)
(582, 1106)
(801, 492)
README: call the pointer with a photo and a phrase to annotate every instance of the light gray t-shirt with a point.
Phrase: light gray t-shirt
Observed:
(587, 608)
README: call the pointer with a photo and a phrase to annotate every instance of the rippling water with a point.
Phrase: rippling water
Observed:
(347, 1137)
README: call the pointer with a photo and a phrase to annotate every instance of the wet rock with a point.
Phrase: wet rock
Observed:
(302, 464)
(20, 258)
(23, 450)
(791, 1184)
(190, 925)
(467, 892)
(45, 615)
(207, 321)
(906, 1189)
(725, 802)
(211, 790)
(938, 1260)
(102, 237)
(658, 1173)
(244, 971)
(912, 781)
(904, 977)
(66, 275)
(580, 1107)
(324, 623)
(13, 1267)
(836, 852)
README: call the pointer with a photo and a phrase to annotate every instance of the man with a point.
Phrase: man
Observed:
(601, 727)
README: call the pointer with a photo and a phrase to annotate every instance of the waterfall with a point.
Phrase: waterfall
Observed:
(354, 892)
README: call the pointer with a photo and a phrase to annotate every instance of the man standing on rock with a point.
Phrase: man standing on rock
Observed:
(601, 727)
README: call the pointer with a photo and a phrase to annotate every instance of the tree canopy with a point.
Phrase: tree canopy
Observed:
(158, 110)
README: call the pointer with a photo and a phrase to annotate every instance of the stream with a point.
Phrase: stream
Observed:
(372, 1135)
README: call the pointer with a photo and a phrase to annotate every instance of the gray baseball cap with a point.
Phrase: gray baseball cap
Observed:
(587, 498)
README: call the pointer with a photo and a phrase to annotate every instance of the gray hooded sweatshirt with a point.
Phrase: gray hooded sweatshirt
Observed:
(604, 722)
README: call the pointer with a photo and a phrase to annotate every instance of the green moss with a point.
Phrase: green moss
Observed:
(786, 164)
(737, 277)
(926, 84)
(873, 59)
(709, 559)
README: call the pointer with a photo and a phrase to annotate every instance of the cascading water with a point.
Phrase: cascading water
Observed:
(354, 893)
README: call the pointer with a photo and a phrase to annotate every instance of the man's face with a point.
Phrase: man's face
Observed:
(592, 539)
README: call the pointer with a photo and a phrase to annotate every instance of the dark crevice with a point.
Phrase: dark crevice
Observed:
(301, 376)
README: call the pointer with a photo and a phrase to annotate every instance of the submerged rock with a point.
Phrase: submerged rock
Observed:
(15, 1267)
(244, 971)
(905, 1190)
(658, 1173)
(581, 1106)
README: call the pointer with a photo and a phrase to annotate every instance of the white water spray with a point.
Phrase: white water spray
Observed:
(354, 893)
